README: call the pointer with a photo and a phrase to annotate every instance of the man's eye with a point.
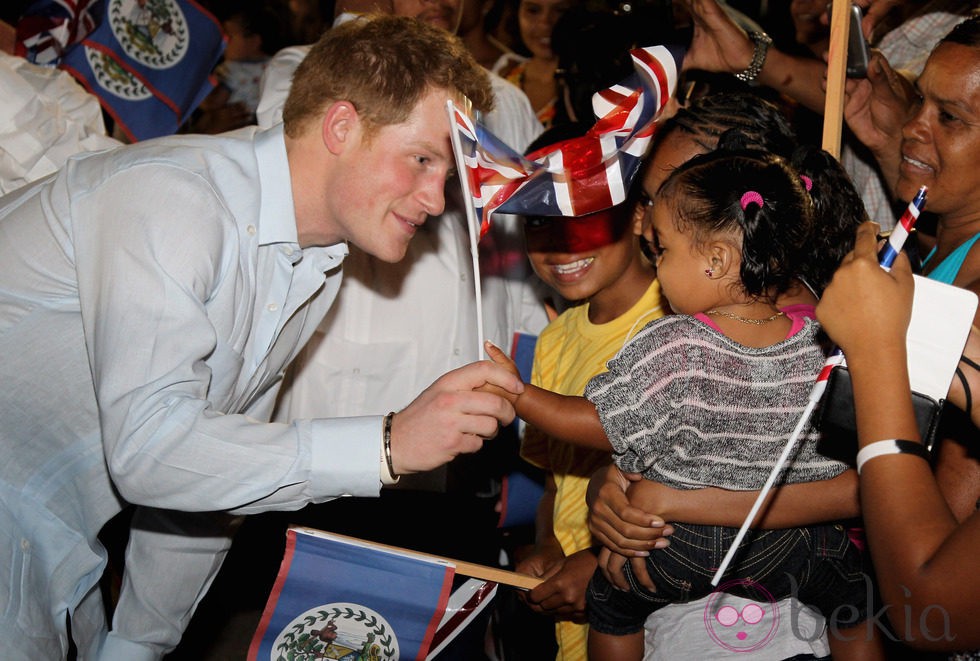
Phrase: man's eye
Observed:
(535, 222)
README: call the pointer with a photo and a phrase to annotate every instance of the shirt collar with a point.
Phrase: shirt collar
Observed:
(277, 215)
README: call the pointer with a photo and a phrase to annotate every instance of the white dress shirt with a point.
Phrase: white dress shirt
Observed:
(395, 328)
(150, 300)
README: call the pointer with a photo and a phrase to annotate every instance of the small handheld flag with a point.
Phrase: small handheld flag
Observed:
(888, 253)
(578, 176)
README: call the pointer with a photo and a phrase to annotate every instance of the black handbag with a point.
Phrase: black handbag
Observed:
(838, 427)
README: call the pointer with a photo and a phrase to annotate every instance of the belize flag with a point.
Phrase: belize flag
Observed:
(345, 599)
(149, 62)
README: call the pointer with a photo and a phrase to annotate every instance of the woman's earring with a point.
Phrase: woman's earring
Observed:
(709, 272)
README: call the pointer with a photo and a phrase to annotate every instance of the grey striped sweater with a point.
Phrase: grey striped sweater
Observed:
(688, 407)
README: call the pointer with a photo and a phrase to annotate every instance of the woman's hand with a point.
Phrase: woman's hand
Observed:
(863, 296)
(877, 107)
(615, 522)
(718, 43)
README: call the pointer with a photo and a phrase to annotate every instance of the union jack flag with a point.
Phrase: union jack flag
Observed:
(47, 28)
(578, 176)
(490, 170)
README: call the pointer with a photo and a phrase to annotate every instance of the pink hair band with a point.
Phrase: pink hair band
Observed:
(749, 197)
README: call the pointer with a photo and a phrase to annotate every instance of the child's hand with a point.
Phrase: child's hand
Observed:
(498, 356)
(503, 360)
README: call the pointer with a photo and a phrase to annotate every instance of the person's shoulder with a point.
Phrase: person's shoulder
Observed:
(667, 331)
(507, 64)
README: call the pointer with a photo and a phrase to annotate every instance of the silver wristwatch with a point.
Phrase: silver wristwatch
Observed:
(762, 43)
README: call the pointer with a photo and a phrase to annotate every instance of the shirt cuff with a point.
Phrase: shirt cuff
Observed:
(114, 648)
(345, 456)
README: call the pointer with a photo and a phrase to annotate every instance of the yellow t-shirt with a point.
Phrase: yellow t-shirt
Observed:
(569, 352)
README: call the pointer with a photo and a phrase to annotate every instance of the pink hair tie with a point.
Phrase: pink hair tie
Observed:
(807, 182)
(749, 197)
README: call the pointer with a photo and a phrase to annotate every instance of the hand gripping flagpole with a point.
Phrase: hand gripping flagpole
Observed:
(886, 257)
(471, 222)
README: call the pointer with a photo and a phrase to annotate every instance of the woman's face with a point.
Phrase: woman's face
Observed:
(537, 20)
(941, 143)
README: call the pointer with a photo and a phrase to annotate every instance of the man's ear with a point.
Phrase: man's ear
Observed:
(340, 126)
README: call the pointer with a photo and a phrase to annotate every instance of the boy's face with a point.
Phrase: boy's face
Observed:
(578, 257)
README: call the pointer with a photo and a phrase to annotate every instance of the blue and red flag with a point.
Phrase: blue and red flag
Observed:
(338, 598)
(149, 62)
(578, 176)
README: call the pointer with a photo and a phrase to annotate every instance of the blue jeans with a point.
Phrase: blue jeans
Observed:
(826, 567)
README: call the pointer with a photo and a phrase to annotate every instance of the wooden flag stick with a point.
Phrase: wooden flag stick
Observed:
(502, 576)
(833, 113)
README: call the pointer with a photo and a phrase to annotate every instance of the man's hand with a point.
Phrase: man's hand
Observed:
(451, 418)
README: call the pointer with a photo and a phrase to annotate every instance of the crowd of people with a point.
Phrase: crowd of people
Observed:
(275, 308)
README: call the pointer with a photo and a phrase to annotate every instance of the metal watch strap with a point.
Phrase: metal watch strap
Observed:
(762, 43)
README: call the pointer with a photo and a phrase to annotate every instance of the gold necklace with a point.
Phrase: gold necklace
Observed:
(746, 320)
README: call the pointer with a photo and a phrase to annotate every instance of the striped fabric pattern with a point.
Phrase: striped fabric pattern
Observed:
(690, 408)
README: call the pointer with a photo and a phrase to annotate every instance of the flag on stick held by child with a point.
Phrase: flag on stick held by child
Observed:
(339, 597)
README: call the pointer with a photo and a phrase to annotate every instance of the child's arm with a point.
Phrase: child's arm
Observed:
(570, 419)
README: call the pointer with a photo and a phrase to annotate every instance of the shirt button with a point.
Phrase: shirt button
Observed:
(288, 251)
(462, 277)
(251, 230)
(272, 307)
(25, 545)
(456, 352)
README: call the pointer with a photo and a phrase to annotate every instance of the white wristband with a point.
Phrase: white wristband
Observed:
(890, 446)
